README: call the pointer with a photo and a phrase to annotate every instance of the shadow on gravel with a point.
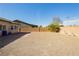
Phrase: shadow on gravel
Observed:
(4, 40)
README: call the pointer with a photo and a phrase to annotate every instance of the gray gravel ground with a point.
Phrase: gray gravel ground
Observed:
(39, 44)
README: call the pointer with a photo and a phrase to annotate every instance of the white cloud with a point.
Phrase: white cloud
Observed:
(71, 22)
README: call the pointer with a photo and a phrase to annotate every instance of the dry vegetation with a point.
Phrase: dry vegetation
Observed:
(70, 30)
(35, 29)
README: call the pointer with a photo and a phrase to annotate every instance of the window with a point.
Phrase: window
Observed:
(11, 27)
(0, 27)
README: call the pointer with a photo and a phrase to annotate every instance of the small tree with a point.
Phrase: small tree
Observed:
(55, 25)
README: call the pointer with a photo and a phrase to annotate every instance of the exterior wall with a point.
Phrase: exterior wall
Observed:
(6, 24)
(15, 28)
(24, 27)
(8, 27)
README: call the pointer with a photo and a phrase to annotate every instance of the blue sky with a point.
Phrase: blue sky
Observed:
(40, 14)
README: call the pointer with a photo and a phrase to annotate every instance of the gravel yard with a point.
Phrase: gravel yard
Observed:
(39, 44)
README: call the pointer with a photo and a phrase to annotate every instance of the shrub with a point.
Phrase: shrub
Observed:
(54, 27)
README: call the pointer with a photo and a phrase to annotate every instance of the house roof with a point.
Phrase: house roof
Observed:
(14, 22)
(25, 23)
(5, 20)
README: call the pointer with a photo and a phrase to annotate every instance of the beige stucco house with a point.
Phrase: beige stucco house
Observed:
(8, 27)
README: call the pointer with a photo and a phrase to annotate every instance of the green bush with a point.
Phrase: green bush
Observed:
(54, 27)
